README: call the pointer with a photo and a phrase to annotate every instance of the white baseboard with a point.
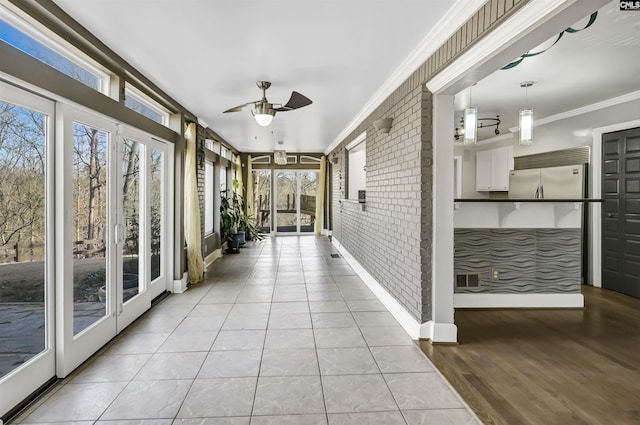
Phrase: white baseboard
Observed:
(439, 332)
(518, 300)
(436, 332)
(179, 286)
(209, 259)
(406, 320)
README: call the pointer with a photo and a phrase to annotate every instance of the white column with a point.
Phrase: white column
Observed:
(441, 327)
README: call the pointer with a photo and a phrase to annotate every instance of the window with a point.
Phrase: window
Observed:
(19, 34)
(357, 166)
(306, 159)
(223, 179)
(208, 197)
(261, 159)
(144, 106)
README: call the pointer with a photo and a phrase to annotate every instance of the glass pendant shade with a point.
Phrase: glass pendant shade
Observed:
(470, 126)
(263, 119)
(526, 127)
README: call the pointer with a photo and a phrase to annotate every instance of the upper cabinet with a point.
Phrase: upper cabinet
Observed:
(492, 169)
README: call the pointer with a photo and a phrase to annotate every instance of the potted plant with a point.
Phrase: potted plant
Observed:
(229, 222)
(235, 223)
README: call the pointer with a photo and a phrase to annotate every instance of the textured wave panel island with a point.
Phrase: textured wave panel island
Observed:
(518, 261)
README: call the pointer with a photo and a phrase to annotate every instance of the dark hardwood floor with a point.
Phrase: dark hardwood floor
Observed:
(548, 366)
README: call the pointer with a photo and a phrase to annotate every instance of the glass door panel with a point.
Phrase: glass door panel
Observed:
(296, 201)
(308, 185)
(156, 205)
(86, 199)
(286, 203)
(90, 273)
(27, 358)
(262, 199)
(131, 284)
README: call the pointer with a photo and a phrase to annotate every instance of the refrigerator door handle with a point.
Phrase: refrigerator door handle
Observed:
(541, 191)
(536, 194)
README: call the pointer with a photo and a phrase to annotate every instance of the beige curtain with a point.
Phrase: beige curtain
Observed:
(249, 197)
(238, 166)
(320, 196)
(192, 236)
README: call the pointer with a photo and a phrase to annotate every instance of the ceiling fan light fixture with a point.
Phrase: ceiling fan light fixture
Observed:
(263, 114)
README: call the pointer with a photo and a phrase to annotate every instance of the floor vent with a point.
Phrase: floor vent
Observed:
(335, 255)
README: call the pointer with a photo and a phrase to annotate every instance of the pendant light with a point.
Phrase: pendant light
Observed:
(470, 123)
(526, 118)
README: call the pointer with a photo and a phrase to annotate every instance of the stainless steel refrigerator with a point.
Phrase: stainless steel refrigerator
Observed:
(566, 182)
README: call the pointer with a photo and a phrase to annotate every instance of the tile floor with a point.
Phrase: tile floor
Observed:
(279, 334)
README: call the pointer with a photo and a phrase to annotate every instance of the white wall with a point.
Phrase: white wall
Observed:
(567, 133)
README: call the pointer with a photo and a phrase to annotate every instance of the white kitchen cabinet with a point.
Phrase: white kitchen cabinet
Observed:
(492, 169)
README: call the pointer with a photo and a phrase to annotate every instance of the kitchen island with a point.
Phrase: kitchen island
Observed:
(518, 253)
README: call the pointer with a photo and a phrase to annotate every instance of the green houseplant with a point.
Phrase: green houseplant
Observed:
(234, 221)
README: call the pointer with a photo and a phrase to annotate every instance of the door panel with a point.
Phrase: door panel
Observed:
(27, 322)
(262, 199)
(296, 201)
(308, 185)
(621, 211)
(85, 251)
(286, 204)
(89, 251)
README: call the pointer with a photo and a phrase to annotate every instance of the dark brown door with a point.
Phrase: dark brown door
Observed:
(621, 211)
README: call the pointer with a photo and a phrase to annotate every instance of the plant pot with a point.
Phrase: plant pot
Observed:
(241, 237)
(233, 245)
(129, 288)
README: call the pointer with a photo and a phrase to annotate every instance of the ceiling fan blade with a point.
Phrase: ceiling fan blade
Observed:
(239, 107)
(295, 101)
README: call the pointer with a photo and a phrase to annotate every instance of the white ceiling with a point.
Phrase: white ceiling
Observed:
(209, 54)
(583, 68)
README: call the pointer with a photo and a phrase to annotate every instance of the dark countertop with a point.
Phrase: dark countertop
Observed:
(585, 200)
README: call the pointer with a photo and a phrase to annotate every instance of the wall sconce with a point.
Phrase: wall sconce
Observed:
(383, 125)
(526, 118)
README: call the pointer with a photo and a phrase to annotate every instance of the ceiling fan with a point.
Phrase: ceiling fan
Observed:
(264, 111)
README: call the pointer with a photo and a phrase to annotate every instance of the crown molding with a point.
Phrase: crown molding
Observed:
(457, 15)
(513, 29)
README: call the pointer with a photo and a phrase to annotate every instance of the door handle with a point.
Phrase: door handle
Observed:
(610, 215)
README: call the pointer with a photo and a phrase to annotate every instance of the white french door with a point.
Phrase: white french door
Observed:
(295, 205)
(27, 336)
(114, 223)
(85, 235)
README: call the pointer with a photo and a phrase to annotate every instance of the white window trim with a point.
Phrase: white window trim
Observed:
(51, 40)
(356, 145)
(138, 96)
(209, 195)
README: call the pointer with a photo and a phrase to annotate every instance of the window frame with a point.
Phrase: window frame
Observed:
(209, 191)
(55, 43)
(357, 145)
(135, 94)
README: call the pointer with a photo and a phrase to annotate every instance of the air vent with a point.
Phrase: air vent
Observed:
(572, 156)
(467, 281)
